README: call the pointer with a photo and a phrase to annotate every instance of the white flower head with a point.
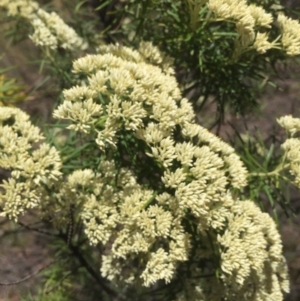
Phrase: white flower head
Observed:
(290, 34)
(290, 124)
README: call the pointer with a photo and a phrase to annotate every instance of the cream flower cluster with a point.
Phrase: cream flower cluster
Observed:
(252, 266)
(247, 18)
(291, 146)
(290, 34)
(148, 235)
(49, 29)
(251, 255)
(32, 170)
(188, 223)
(250, 19)
(290, 124)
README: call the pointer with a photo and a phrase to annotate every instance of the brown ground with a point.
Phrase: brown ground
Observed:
(22, 253)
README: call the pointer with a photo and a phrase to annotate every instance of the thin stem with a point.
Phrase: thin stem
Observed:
(71, 225)
(75, 250)
(37, 230)
(282, 165)
(27, 277)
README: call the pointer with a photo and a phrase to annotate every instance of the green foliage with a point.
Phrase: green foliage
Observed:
(263, 159)
(202, 48)
(56, 295)
(11, 92)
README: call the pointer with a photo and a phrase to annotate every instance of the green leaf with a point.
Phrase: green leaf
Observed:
(266, 189)
(78, 6)
(103, 5)
(269, 155)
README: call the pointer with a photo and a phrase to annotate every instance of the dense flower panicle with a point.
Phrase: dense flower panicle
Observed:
(261, 17)
(147, 234)
(226, 9)
(136, 85)
(290, 124)
(261, 43)
(237, 170)
(126, 205)
(250, 249)
(32, 169)
(84, 113)
(291, 146)
(249, 244)
(84, 178)
(159, 266)
(42, 35)
(154, 56)
(78, 92)
(16, 136)
(249, 19)
(21, 7)
(145, 91)
(143, 229)
(100, 220)
(18, 197)
(49, 29)
(290, 34)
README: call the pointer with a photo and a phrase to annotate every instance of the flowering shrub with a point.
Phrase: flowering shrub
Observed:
(132, 182)
(49, 29)
(221, 48)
